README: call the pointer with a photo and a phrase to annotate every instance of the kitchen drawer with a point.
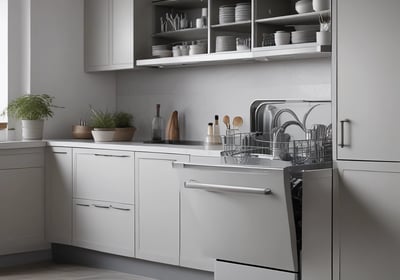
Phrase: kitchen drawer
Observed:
(103, 226)
(232, 271)
(245, 225)
(104, 175)
(21, 158)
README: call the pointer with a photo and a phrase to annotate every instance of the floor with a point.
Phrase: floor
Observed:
(50, 271)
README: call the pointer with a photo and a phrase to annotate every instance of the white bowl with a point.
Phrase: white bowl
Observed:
(304, 6)
(282, 38)
(321, 5)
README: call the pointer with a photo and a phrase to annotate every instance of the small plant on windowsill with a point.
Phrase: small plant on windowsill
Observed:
(32, 109)
(103, 124)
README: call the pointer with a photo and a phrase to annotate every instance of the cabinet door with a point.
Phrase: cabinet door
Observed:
(59, 195)
(122, 33)
(22, 210)
(157, 207)
(368, 62)
(104, 175)
(104, 226)
(97, 34)
(367, 224)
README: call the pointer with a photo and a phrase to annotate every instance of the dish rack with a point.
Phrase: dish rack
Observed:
(240, 147)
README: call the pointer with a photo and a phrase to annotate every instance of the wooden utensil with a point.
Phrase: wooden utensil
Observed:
(237, 122)
(226, 120)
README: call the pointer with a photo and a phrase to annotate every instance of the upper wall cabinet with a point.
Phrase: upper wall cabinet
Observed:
(111, 40)
(201, 32)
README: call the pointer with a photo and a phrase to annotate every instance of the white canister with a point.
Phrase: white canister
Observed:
(324, 38)
(321, 5)
(199, 23)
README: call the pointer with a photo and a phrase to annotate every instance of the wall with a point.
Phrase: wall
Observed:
(57, 61)
(200, 92)
(3, 55)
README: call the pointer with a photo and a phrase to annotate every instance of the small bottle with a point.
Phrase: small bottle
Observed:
(210, 135)
(157, 126)
(217, 134)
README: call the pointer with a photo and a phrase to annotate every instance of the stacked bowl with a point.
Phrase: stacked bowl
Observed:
(242, 12)
(303, 36)
(226, 14)
(161, 51)
(225, 43)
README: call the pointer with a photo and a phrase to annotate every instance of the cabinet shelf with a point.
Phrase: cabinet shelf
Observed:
(306, 18)
(292, 51)
(187, 34)
(184, 4)
(241, 26)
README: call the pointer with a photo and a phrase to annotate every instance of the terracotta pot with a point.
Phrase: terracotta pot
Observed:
(124, 133)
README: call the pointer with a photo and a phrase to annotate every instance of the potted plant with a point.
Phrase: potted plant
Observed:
(32, 109)
(124, 129)
(103, 124)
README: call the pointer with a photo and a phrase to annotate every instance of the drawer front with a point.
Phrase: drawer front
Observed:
(103, 226)
(21, 158)
(248, 227)
(104, 175)
(231, 271)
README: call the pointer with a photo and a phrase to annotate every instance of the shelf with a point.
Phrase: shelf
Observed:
(184, 4)
(241, 26)
(274, 53)
(188, 34)
(306, 18)
(292, 51)
(199, 59)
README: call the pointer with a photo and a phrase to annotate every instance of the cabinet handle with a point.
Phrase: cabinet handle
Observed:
(60, 153)
(342, 132)
(81, 204)
(117, 156)
(101, 206)
(191, 184)
(120, 208)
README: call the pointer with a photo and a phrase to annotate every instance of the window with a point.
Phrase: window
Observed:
(3, 55)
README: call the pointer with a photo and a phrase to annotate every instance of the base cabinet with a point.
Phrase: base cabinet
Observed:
(366, 221)
(59, 195)
(22, 201)
(104, 226)
(157, 207)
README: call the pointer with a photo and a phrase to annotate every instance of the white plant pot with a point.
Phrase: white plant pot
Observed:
(32, 129)
(103, 135)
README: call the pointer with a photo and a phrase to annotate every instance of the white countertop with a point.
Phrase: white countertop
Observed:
(22, 144)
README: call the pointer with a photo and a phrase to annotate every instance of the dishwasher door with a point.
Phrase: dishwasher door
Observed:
(242, 215)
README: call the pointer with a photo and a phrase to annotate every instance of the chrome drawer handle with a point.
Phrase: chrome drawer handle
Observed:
(116, 156)
(191, 184)
(101, 206)
(81, 204)
(120, 208)
(342, 132)
(60, 153)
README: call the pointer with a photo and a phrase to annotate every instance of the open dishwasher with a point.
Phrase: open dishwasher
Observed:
(243, 217)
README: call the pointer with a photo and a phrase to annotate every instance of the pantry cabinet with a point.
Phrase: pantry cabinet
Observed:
(366, 224)
(22, 201)
(366, 83)
(111, 43)
(59, 195)
(157, 207)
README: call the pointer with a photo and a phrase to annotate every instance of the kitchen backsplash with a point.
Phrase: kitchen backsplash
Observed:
(198, 93)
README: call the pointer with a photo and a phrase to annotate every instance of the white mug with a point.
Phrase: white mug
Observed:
(199, 23)
(324, 38)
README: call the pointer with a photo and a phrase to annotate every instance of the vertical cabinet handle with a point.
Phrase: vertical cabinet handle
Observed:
(341, 144)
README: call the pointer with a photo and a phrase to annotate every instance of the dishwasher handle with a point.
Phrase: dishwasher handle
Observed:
(191, 184)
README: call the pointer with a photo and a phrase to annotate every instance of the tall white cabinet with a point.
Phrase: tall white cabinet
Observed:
(110, 36)
(366, 189)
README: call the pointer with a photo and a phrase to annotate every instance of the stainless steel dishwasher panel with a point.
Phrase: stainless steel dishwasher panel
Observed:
(236, 214)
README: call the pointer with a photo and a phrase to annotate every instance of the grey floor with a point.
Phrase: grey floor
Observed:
(50, 271)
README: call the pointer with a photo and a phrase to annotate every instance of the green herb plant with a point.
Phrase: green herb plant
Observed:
(123, 119)
(31, 107)
(101, 119)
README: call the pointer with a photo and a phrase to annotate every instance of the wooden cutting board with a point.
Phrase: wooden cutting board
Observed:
(172, 129)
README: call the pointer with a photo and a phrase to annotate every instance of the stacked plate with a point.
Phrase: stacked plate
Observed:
(225, 43)
(242, 12)
(303, 36)
(161, 51)
(226, 14)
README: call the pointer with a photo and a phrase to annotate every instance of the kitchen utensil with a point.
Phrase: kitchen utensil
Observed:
(172, 129)
(226, 120)
(237, 122)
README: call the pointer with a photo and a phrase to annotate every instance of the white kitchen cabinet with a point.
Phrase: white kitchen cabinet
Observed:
(22, 201)
(157, 207)
(104, 175)
(104, 226)
(109, 33)
(367, 79)
(366, 221)
(59, 195)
